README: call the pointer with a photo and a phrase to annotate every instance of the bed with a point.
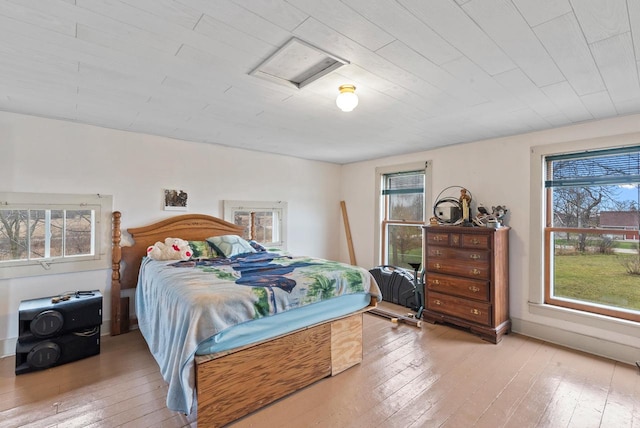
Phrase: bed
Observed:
(208, 368)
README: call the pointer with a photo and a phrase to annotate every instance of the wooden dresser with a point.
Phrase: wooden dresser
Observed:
(467, 279)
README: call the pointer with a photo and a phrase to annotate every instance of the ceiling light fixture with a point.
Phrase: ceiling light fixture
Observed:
(347, 99)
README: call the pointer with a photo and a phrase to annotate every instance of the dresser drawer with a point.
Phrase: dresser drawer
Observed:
(437, 238)
(454, 267)
(478, 290)
(461, 255)
(456, 240)
(476, 241)
(469, 310)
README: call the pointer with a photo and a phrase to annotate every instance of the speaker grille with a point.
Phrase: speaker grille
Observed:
(43, 355)
(46, 323)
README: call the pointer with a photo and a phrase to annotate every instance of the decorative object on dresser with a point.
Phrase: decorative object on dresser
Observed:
(467, 279)
(495, 219)
(452, 210)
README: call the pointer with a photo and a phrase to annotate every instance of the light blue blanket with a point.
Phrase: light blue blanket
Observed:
(183, 305)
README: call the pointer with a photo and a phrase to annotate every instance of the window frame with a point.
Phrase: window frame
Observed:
(281, 207)
(102, 207)
(549, 230)
(382, 209)
(537, 263)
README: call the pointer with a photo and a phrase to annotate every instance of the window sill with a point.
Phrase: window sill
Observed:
(9, 272)
(592, 333)
(586, 319)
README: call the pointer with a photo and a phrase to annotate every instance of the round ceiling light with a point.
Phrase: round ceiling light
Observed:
(347, 99)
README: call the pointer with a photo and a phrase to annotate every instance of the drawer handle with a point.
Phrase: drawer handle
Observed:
(476, 272)
(438, 253)
(473, 288)
(437, 302)
(476, 312)
(435, 281)
(438, 238)
(437, 266)
(475, 256)
(475, 241)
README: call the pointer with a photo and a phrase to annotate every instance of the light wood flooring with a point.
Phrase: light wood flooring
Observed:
(434, 376)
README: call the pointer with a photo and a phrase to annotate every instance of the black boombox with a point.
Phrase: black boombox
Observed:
(57, 330)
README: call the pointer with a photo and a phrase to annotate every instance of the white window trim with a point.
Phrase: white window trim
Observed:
(536, 234)
(102, 204)
(281, 206)
(391, 169)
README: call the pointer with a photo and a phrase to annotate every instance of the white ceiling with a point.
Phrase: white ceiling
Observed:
(428, 73)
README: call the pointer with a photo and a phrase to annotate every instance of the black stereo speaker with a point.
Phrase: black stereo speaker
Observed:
(32, 356)
(42, 318)
(57, 330)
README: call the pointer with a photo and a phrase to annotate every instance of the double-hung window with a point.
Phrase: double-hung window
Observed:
(264, 222)
(591, 235)
(53, 233)
(402, 209)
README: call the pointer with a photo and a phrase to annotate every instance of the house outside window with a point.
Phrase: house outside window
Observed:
(402, 214)
(591, 215)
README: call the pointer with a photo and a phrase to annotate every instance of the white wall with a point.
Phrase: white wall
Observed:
(49, 156)
(40, 155)
(498, 172)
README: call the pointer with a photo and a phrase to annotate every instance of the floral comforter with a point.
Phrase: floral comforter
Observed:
(180, 305)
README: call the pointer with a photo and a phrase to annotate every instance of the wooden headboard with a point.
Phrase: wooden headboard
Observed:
(126, 260)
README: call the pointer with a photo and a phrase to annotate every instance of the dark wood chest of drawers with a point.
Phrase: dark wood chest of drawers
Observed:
(467, 279)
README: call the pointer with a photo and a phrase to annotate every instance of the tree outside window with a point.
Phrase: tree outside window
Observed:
(27, 234)
(403, 201)
(50, 233)
(592, 219)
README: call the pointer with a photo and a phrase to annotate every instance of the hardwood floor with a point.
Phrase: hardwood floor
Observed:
(434, 376)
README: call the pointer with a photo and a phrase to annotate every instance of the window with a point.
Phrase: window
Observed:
(402, 209)
(264, 222)
(591, 215)
(52, 233)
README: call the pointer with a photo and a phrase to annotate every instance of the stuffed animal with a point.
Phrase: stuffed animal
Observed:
(171, 249)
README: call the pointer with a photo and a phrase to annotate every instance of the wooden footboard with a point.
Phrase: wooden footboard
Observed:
(232, 385)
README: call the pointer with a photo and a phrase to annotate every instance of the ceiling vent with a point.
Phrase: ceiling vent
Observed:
(297, 64)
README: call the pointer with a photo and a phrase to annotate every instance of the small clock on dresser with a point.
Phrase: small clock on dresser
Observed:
(467, 279)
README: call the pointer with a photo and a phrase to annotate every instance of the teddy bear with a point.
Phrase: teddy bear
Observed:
(170, 249)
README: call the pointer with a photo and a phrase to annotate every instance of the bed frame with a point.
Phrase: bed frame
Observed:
(224, 395)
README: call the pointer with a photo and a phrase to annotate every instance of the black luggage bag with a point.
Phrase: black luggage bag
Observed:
(397, 286)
